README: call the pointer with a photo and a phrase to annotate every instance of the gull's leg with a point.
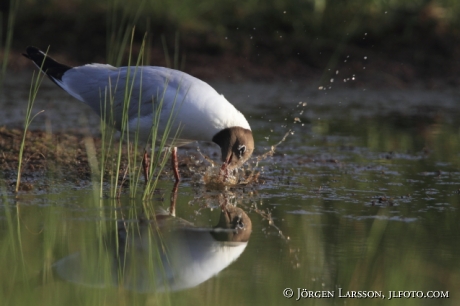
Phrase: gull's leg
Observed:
(175, 164)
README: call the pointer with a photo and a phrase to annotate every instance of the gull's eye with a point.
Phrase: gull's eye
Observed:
(241, 150)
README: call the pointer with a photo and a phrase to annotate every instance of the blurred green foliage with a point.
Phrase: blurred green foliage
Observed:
(282, 28)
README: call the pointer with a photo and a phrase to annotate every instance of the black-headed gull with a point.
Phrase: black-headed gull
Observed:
(199, 112)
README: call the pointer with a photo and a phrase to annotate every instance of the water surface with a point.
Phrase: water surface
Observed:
(363, 196)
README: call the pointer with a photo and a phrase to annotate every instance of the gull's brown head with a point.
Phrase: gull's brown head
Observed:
(236, 144)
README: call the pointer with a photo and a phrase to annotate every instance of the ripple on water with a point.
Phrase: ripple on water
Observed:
(303, 212)
(380, 217)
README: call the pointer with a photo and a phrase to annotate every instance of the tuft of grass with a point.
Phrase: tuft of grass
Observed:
(126, 164)
(34, 87)
(160, 144)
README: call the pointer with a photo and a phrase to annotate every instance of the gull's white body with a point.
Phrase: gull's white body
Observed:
(194, 106)
(155, 101)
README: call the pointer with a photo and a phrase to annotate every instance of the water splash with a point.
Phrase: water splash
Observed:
(214, 179)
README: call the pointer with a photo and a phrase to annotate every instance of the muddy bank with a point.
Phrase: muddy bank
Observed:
(62, 155)
(65, 156)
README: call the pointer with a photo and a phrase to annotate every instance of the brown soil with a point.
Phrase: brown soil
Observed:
(64, 157)
(58, 153)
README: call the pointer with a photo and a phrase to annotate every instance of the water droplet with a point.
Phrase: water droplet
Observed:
(336, 72)
(332, 80)
(320, 88)
(304, 104)
(365, 57)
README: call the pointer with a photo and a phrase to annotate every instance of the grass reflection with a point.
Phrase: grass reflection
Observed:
(87, 252)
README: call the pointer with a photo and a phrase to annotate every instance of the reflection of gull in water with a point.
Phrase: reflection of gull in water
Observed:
(163, 254)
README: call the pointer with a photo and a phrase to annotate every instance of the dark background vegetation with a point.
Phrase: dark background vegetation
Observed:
(384, 42)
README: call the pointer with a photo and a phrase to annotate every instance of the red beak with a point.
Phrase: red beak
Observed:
(224, 169)
(227, 162)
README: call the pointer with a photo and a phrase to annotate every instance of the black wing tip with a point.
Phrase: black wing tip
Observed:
(34, 54)
(31, 51)
(51, 67)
